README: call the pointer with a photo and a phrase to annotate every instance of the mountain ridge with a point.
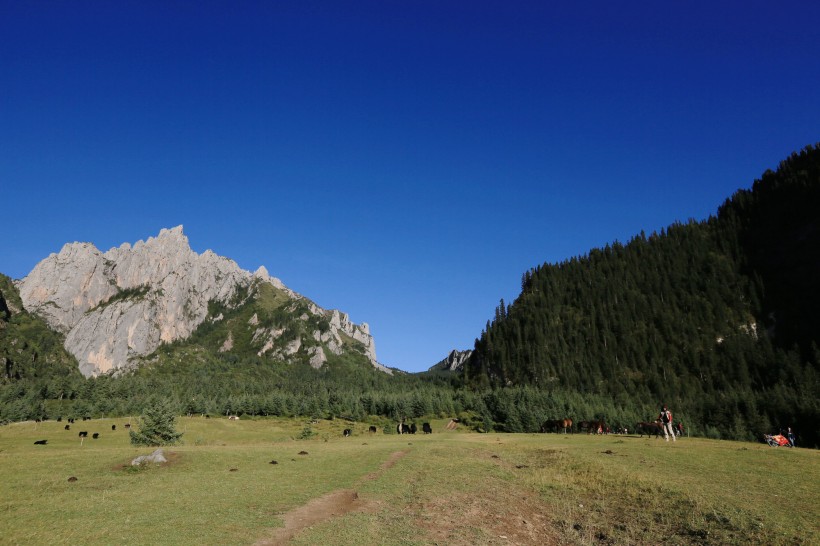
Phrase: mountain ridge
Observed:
(116, 306)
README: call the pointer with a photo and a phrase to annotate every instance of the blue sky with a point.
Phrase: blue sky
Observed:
(404, 162)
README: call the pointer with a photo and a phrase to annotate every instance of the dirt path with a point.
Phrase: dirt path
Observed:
(334, 504)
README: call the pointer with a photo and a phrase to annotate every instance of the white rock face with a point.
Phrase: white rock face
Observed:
(125, 302)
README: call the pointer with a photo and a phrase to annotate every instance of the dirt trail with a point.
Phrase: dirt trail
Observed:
(334, 504)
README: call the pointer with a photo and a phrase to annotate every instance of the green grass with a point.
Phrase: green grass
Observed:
(448, 488)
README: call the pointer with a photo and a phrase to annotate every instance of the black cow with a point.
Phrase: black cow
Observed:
(347, 432)
(413, 428)
(59, 418)
(84, 434)
(95, 435)
(40, 442)
(113, 427)
(373, 429)
(68, 427)
(425, 427)
(127, 425)
(403, 429)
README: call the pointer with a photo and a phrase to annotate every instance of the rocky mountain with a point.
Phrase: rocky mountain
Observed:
(454, 361)
(115, 307)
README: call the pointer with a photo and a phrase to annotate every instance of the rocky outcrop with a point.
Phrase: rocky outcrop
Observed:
(454, 361)
(124, 303)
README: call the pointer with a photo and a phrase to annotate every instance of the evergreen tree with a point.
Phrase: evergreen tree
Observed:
(158, 425)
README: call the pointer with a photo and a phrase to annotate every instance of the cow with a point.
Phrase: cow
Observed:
(347, 432)
(68, 427)
(95, 435)
(127, 425)
(413, 428)
(40, 442)
(401, 428)
(83, 434)
(113, 427)
(373, 429)
(59, 418)
(649, 428)
(207, 416)
(425, 427)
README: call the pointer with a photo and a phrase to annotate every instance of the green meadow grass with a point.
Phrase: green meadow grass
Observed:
(449, 487)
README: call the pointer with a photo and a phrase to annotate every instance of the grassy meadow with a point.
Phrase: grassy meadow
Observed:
(451, 487)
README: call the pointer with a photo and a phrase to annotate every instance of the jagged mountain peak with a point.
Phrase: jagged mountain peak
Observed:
(122, 304)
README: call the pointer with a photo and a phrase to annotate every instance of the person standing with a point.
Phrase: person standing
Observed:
(790, 436)
(666, 424)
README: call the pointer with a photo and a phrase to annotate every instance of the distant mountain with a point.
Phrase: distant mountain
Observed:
(719, 317)
(454, 361)
(117, 307)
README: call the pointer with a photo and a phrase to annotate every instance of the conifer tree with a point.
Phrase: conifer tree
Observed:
(158, 427)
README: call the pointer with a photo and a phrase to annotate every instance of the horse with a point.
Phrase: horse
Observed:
(649, 428)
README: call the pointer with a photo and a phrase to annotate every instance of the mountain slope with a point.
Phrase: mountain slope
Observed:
(116, 307)
(29, 348)
(719, 317)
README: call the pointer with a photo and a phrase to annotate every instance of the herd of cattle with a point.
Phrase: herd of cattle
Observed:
(401, 428)
(83, 433)
(551, 425)
(600, 427)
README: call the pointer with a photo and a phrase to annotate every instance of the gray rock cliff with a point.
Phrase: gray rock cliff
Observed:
(454, 361)
(124, 303)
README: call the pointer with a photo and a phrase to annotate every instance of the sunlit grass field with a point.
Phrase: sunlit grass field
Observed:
(449, 487)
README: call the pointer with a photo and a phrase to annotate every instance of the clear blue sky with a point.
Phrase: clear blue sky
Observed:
(404, 162)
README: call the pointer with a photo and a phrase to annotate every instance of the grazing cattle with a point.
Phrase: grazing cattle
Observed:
(40, 442)
(649, 429)
(68, 427)
(425, 427)
(71, 420)
(84, 434)
(373, 429)
(113, 427)
(59, 418)
(401, 428)
(206, 416)
(95, 435)
(413, 428)
(127, 425)
(347, 432)
(233, 418)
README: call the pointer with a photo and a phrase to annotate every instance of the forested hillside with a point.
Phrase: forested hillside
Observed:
(718, 319)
